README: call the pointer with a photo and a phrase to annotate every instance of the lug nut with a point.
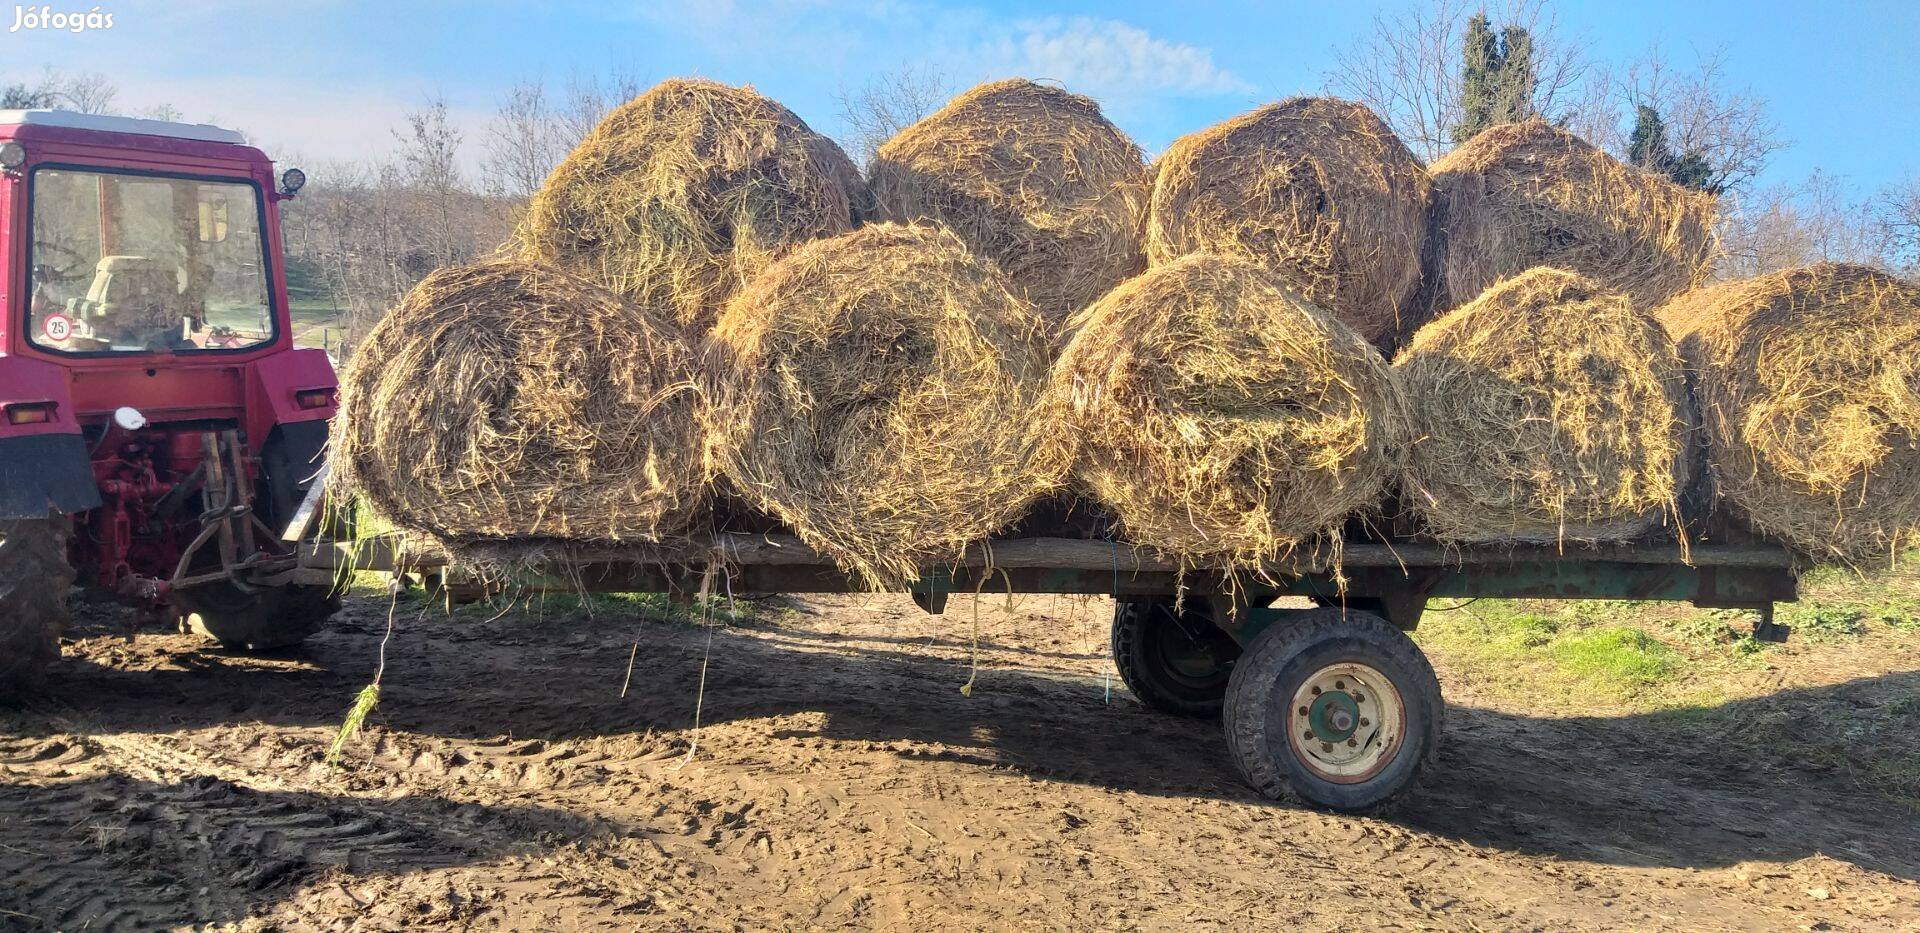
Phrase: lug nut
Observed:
(1308, 735)
(1316, 691)
(1326, 746)
(1359, 698)
(1364, 723)
(1353, 743)
(1339, 685)
(1303, 711)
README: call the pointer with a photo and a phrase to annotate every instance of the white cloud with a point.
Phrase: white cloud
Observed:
(1110, 58)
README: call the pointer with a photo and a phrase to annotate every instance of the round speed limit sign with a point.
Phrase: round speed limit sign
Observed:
(58, 327)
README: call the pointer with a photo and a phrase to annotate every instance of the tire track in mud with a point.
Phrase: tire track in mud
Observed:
(111, 832)
(839, 781)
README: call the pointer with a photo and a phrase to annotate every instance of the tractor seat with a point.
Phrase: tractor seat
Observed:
(135, 293)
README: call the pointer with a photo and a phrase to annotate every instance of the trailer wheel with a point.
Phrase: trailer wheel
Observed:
(263, 620)
(34, 579)
(1174, 663)
(1340, 710)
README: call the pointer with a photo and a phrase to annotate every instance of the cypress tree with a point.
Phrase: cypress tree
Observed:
(1648, 148)
(1497, 77)
(1478, 78)
(1514, 100)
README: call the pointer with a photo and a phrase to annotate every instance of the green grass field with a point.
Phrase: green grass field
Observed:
(317, 322)
(1841, 697)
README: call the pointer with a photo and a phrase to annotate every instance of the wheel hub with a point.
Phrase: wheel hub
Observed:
(1345, 722)
(1334, 716)
(1190, 658)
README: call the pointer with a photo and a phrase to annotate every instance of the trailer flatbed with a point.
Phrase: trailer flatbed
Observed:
(1334, 705)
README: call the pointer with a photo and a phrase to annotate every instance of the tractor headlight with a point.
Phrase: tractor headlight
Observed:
(12, 155)
(292, 181)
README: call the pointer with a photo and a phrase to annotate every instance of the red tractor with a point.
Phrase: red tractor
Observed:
(159, 432)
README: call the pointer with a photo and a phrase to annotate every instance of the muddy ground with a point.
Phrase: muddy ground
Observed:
(839, 778)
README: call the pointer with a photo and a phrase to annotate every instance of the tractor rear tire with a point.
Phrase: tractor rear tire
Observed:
(34, 580)
(267, 619)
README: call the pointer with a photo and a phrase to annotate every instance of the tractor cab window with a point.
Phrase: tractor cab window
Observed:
(140, 263)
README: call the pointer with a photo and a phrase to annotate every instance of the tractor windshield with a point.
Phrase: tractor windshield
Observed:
(135, 263)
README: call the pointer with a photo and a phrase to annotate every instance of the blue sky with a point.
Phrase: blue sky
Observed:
(322, 80)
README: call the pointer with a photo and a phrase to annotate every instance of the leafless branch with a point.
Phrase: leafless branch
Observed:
(889, 103)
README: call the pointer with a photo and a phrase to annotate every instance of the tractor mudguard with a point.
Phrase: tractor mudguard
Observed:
(290, 460)
(291, 387)
(42, 470)
(43, 461)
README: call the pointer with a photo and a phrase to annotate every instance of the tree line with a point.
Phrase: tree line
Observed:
(1441, 71)
(366, 229)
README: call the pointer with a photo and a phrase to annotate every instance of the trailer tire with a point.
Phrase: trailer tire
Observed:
(34, 581)
(1175, 663)
(1339, 710)
(267, 619)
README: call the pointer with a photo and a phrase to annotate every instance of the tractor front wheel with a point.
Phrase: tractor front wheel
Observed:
(34, 579)
(265, 619)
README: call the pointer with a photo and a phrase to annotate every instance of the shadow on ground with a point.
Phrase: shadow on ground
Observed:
(1681, 788)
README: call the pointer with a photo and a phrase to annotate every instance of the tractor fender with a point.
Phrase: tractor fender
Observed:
(274, 386)
(44, 463)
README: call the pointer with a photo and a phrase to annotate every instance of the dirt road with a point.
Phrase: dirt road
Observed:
(839, 778)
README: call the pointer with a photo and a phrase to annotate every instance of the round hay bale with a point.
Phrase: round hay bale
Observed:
(1521, 195)
(1222, 418)
(1030, 176)
(1548, 409)
(1318, 189)
(882, 399)
(511, 400)
(684, 193)
(1809, 387)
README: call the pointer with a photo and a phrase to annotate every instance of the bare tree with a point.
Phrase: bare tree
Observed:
(887, 104)
(88, 92)
(589, 98)
(523, 142)
(430, 171)
(1730, 129)
(1793, 225)
(1408, 68)
(1899, 216)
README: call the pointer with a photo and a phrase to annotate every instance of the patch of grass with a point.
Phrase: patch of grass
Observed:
(1701, 678)
(1616, 655)
(1558, 658)
(1823, 622)
(1729, 630)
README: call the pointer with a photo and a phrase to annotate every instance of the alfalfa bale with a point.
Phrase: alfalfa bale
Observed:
(1809, 387)
(1546, 410)
(1520, 195)
(880, 398)
(684, 193)
(1318, 189)
(1221, 417)
(510, 400)
(1030, 176)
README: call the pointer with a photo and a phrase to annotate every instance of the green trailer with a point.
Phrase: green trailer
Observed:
(1328, 702)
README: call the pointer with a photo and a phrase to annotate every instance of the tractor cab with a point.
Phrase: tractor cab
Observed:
(155, 415)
